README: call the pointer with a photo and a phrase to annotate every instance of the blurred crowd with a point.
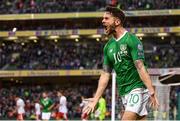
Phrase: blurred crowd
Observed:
(51, 55)
(75, 55)
(54, 6)
(163, 56)
(30, 94)
(173, 111)
(96, 23)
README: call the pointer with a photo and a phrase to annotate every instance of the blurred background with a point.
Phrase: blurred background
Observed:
(50, 45)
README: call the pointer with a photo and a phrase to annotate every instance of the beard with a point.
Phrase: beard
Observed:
(110, 30)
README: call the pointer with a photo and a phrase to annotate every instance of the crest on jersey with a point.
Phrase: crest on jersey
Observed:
(123, 47)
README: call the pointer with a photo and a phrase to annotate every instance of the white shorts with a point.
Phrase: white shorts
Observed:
(137, 101)
(46, 115)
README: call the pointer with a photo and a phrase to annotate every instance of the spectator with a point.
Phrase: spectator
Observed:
(71, 55)
(54, 6)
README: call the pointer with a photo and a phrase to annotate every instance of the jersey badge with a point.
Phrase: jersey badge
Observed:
(123, 48)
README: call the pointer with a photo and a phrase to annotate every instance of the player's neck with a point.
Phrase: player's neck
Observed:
(119, 32)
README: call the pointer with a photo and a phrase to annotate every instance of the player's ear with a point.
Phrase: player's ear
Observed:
(117, 22)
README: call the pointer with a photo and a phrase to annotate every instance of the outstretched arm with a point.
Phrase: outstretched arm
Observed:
(103, 81)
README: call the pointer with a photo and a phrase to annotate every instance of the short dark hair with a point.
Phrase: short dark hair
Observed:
(116, 12)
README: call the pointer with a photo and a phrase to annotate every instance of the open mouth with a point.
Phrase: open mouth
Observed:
(105, 27)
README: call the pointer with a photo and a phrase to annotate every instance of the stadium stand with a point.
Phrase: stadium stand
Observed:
(76, 55)
(50, 55)
(44, 54)
(31, 93)
(174, 101)
(94, 23)
(39, 6)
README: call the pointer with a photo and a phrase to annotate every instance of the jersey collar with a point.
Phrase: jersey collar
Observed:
(121, 36)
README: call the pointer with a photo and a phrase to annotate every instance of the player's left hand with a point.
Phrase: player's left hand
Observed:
(90, 106)
(154, 103)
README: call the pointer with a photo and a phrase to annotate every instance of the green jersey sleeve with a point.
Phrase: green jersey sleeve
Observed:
(136, 48)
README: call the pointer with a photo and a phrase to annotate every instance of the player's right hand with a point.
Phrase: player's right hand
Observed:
(90, 106)
(154, 103)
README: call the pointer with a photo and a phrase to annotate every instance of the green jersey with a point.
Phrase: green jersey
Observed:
(120, 55)
(46, 103)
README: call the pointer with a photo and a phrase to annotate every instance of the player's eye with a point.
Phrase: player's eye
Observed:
(106, 18)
